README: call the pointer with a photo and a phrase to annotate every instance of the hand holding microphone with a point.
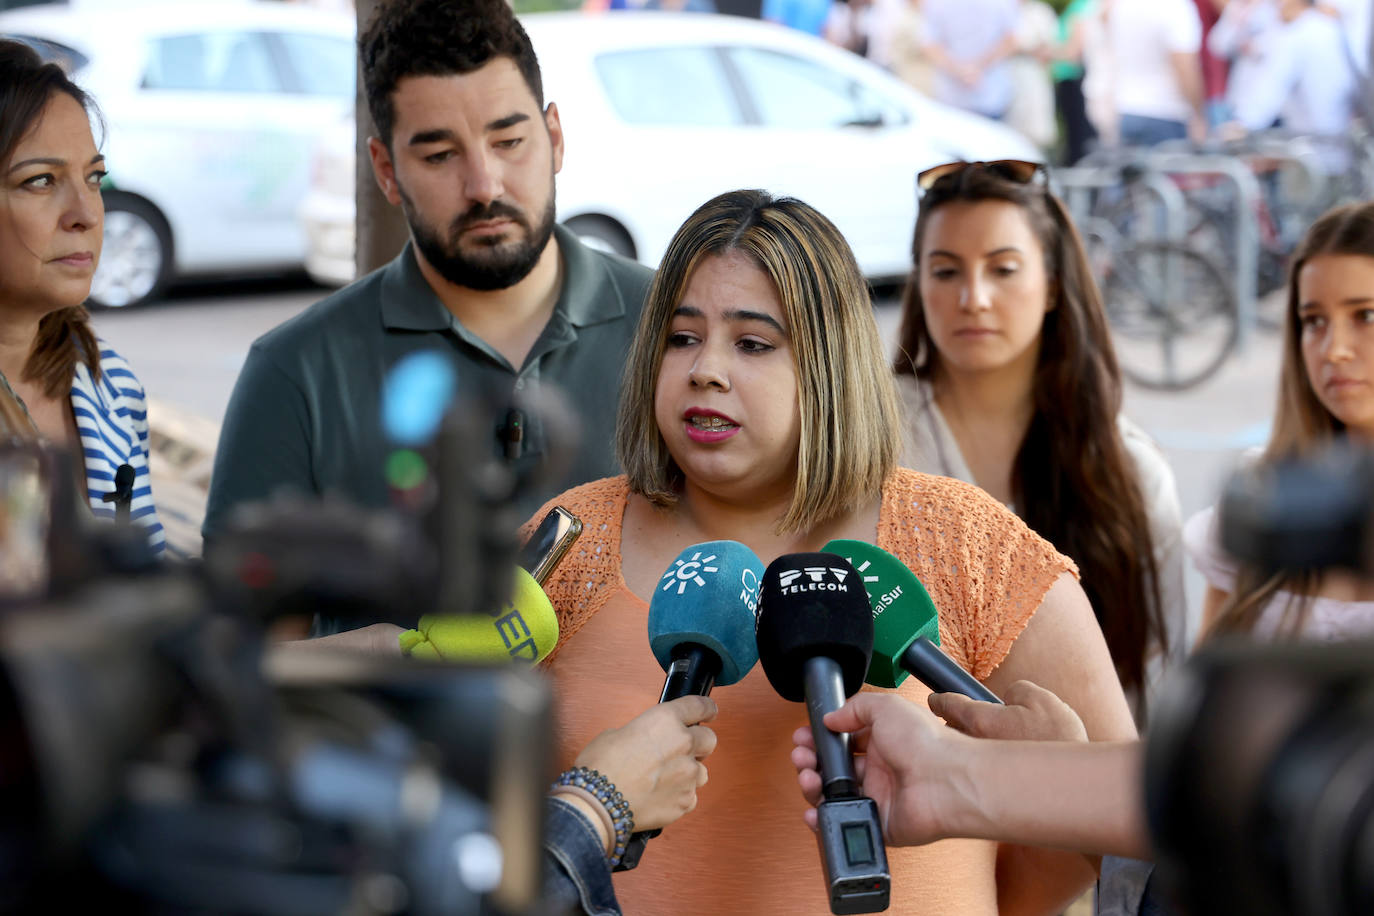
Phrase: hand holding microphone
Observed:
(916, 770)
(1031, 713)
(907, 757)
(655, 758)
(1030, 777)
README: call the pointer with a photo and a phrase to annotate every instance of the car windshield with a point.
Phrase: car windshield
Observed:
(685, 86)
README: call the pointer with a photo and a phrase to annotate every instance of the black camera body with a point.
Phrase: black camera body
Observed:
(1260, 780)
(156, 756)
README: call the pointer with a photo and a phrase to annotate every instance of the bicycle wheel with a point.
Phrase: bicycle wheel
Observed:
(1172, 313)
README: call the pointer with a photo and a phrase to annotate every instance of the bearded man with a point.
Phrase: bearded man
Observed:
(468, 149)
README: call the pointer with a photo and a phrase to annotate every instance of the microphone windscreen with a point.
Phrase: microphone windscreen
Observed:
(813, 604)
(902, 609)
(524, 629)
(709, 596)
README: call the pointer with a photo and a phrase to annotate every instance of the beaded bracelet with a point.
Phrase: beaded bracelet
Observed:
(622, 818)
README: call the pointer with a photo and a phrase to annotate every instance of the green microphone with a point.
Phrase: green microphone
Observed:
(906, 626)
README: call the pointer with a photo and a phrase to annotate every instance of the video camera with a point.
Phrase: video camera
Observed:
(151, 761)
(1260, 763)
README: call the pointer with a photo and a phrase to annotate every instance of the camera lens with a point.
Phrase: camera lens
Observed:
(1260, 781)
(1320, 798)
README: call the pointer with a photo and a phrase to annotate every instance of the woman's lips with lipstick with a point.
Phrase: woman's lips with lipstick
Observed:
(708, 426)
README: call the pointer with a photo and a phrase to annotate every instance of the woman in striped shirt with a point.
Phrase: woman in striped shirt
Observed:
(70, 388)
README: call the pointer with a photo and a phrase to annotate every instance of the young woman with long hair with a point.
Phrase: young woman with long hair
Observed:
(1009, 380)
(1326, 393)
(60, 383)
(756, 406)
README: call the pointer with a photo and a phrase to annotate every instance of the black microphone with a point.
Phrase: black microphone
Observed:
(815, 636)
(123, 493)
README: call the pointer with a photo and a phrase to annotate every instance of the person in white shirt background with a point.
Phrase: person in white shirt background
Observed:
(1300, 77)
(1156, 85)
(969, 43)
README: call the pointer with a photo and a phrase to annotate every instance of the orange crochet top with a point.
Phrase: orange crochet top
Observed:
(746, 849)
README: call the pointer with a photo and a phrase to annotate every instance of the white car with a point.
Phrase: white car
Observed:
(212, 112)
(663, 111)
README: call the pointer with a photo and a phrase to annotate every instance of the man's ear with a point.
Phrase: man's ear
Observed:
(555, 127)
(384, 170)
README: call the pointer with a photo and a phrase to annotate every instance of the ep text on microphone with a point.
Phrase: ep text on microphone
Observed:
(815, 638)
(524, 629)
(906, 626)
(701, 630)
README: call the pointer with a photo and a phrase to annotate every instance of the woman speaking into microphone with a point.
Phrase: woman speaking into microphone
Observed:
(756, 406)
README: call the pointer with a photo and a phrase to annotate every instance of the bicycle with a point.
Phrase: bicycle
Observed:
(1171, 309)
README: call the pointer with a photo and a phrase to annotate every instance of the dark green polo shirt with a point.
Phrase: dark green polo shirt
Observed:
(305, 415)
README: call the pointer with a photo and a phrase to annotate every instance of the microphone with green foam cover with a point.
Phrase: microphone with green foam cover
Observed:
(906, 626)
(524, 629)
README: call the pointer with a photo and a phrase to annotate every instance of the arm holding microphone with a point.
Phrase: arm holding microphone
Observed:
(1060, 645)
(1045, 787)
(654, 761)
(374, 639)
(1063, 650)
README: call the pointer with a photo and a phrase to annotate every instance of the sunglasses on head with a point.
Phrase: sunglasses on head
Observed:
(1017, 170)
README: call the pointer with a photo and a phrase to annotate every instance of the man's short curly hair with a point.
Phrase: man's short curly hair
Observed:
(438, 38)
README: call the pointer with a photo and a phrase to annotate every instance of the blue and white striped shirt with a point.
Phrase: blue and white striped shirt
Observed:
(112, 422)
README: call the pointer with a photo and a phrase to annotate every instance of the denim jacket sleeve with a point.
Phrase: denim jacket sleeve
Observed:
(577, 875)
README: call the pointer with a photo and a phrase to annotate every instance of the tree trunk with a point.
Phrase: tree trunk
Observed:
(381, 228)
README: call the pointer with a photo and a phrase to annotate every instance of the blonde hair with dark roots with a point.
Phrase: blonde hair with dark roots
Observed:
(848, 404)
(1302, 424)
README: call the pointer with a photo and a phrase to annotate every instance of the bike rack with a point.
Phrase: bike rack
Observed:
(1079, 181)
(1301, 150)
(1246, 236)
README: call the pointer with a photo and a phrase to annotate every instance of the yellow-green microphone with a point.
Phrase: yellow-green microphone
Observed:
(524, 629)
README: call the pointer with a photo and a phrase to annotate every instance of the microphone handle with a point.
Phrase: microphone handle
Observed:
(825, 693)
(692, 672)
(941, 673)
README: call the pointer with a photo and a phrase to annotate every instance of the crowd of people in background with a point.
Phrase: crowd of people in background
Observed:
(1074, 75)
(1114, 72)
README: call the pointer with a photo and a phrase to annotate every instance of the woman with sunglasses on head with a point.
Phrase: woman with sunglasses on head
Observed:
(1009, 381)
(1326, 394)
(59, 381)
(756, 407)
